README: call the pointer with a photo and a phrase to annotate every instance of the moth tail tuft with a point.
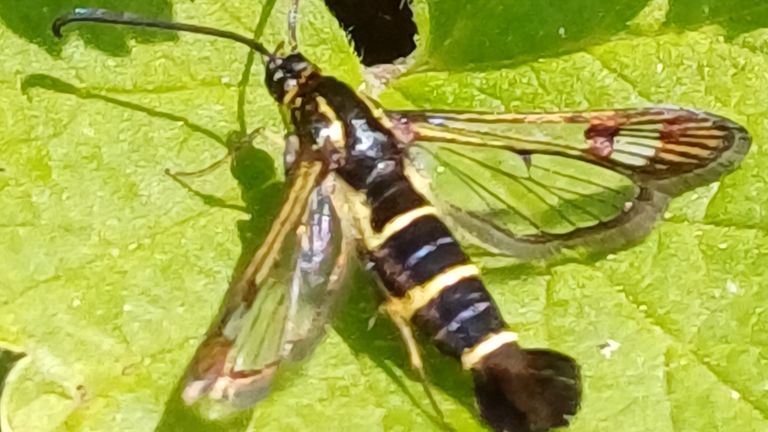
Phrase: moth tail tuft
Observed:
(520, 390)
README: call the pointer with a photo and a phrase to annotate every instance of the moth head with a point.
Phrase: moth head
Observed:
(287, 75)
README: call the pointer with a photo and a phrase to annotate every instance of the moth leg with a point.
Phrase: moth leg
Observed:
(290, 151)
(199, 172)
(235, 142)
(406, 332)
(208, 199)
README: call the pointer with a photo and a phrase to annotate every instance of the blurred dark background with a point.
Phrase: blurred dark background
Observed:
(381, 30)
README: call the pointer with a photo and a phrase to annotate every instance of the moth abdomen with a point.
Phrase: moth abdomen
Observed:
(432, 284)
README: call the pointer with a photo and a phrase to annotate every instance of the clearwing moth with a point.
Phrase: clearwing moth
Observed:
(529, 185)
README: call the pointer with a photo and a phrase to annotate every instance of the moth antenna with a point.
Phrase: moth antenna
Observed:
(525, 390)
(293, 15)
(104, 16)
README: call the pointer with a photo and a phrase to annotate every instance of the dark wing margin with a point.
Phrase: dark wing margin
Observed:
(276, 310)
(596, 179)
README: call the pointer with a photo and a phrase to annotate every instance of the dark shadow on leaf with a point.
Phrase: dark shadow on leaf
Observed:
(48, 82)
(735, 16)
(8, 359)
(255, 173)
(32, 19)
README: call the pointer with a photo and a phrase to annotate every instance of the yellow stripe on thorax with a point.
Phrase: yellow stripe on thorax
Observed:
(294, 207)
(472, 356)
(418, 296)
(335, 130)
(374, 240)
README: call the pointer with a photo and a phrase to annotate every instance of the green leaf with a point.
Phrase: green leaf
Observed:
(734, 16)
(472, 34)
(111, 271)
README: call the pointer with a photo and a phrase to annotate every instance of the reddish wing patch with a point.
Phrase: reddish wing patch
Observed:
(212, 373)
(601, 136)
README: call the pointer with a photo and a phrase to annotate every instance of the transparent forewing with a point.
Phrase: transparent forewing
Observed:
(670, 150)
(531, 184)
(288, 319)
(277, 310)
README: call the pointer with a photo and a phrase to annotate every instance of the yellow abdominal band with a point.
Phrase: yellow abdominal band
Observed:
(374, 241)
(472, 356)
(418, 296)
